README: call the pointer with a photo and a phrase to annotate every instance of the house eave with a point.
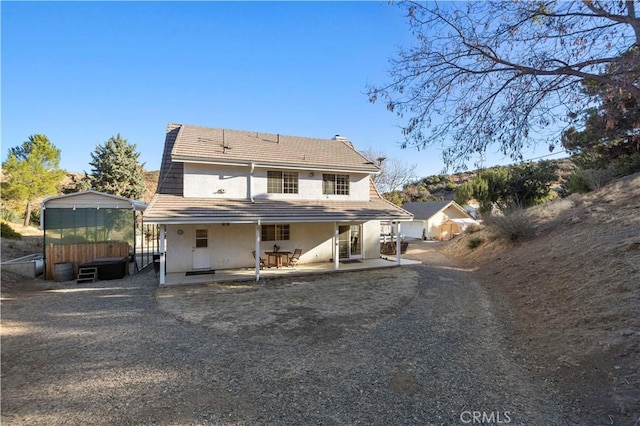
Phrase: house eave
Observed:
(256, 219)
(278, 165)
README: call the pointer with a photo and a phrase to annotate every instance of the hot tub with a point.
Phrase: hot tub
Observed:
(109, 268)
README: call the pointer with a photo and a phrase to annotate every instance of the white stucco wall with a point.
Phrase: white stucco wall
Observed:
(433, 225)
(205, 180)
(232, 182)
(230, 246)
(371, 231)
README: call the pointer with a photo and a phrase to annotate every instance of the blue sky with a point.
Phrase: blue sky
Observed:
(81, 72)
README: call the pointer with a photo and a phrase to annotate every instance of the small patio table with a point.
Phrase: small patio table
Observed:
(277, 256)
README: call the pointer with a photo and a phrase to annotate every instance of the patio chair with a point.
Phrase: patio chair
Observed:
(295, 258)
(262, 262)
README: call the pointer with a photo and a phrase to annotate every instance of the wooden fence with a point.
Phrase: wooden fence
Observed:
(82, 253)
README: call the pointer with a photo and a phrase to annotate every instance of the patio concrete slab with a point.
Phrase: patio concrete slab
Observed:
(248, 274)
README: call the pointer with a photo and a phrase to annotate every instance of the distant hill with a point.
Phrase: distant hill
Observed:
(443, 187)
(150, 182)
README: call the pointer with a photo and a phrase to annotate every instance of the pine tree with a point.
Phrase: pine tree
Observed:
(610, 135)
(32, 171)
(115, 170)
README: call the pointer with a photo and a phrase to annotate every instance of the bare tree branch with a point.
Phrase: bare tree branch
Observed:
(394, 174)
(500, 73)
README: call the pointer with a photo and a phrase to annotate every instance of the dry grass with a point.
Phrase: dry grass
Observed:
(574, 290)
(31, 243)
(293, 309)
(32, 240)
(514, 226)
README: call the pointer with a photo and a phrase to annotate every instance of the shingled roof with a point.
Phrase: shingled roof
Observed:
(170, 180)
(194, 143)
(174, 209)
(425, 210)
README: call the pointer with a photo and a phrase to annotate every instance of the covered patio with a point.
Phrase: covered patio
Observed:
(199, 236)
(248, 273)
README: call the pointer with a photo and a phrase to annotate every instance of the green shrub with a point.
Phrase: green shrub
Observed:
(588, 180)
(474, 242)
(596, 179)
(9, 215)
(35, 217)
(514, 225)
(576, 184)
(8, 232)
(626, 165)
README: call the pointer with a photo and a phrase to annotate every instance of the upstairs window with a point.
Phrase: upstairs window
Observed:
(335, 184)
(275, 232)
(282, 182)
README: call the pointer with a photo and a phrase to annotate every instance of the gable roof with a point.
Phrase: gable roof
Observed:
(223, 146)
(170, 179)
(199, 144)
(425, 210)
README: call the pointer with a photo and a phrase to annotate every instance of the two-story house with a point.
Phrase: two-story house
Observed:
(223, 194)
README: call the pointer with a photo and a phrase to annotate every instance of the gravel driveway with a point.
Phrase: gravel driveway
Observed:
(113, 353)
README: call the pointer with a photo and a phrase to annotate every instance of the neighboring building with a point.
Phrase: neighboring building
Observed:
(473, 209)
(225, 193)
(429, 218)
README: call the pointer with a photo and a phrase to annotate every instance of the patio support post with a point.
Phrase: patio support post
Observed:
(398, 242)
(135, 257)
(336, 247)
(257, 265)
(162, 259)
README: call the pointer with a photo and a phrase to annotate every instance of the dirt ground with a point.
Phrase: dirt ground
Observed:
(572, 294)
(108, 353)
(567, 303)
(293, 310)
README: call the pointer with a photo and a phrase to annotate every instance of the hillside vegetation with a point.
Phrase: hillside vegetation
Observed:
(443, 187)
(573, 292)
(150, 182)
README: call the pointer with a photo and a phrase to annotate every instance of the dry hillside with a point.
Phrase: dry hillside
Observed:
(573, 295)
(150, 182)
